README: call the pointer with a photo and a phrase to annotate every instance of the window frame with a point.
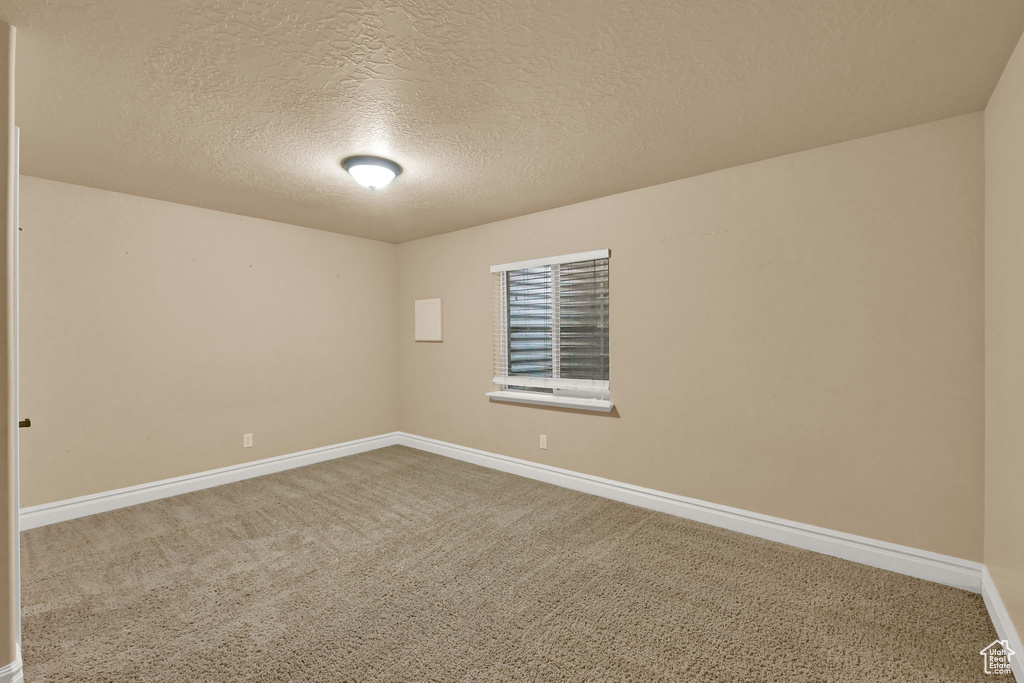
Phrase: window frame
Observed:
(565, 391)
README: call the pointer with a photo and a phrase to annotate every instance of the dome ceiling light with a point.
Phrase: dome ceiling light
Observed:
(371, 172)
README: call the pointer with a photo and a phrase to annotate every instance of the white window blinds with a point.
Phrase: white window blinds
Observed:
(552, 325)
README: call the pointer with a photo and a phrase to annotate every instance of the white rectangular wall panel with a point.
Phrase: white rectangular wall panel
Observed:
(428, 320)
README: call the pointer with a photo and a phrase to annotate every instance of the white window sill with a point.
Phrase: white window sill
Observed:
(536, 398)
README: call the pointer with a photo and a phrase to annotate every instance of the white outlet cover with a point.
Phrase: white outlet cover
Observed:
(428, 320)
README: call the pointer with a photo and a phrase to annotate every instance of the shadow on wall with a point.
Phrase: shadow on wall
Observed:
(614, 412)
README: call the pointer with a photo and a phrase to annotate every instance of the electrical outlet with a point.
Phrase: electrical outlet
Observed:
(544, 441)
(246, 440)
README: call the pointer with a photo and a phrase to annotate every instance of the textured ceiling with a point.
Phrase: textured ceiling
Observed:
(495, 108)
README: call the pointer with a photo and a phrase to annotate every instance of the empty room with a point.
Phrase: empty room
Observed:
(351, 340)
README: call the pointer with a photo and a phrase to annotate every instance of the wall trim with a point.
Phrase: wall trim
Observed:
(12, 673)
(72, 508)
(1001, 620)
(922, 564)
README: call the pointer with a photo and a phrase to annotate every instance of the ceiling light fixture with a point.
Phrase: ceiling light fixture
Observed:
(371, 172)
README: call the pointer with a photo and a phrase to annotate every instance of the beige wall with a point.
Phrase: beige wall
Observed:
(1004, 337)
(812, 348)
(8, 550)
(800, 337)
(154, 335)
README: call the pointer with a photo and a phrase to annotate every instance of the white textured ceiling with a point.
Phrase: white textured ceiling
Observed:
(495, 108)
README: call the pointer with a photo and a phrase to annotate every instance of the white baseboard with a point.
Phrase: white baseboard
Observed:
(1001, 620)
(63, 510)
(922, 564)
(12, 673)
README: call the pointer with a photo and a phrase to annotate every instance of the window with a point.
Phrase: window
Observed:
(551, 337)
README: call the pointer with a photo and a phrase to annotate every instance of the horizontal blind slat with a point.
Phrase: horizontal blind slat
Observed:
(582, 325)
(529, 322)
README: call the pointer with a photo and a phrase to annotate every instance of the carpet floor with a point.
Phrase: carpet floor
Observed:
(398, 565)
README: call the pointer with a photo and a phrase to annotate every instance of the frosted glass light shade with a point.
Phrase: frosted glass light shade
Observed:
(372, 172)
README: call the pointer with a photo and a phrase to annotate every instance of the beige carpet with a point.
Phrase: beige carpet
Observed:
(397, 565)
